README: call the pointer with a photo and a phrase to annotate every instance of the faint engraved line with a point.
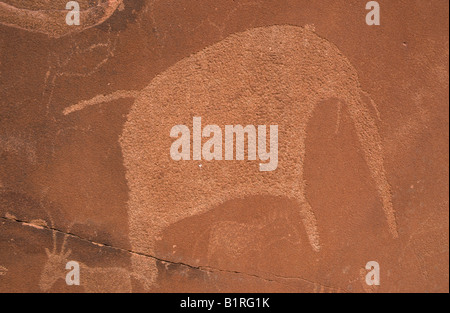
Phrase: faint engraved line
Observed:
(110, 53)
(335, 289)
(221, 28)
(3, 270)
(121, 94)
(56, 72)
(373, 103)
(339, 117)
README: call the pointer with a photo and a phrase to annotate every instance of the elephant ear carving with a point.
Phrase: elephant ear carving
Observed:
(50, 19)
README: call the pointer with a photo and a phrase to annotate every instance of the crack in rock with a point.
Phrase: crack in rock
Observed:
(207, 269)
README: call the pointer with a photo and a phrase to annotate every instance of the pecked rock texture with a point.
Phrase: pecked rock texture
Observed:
(85, 167)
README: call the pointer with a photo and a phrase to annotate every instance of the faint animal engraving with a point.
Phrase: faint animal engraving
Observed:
(52, 22)
(69, 65)
(231, 241)
(277, 75)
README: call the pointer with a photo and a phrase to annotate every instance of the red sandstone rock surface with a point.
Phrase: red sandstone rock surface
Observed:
(85, 169)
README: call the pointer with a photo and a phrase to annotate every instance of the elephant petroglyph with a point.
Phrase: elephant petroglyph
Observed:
(271, 75)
